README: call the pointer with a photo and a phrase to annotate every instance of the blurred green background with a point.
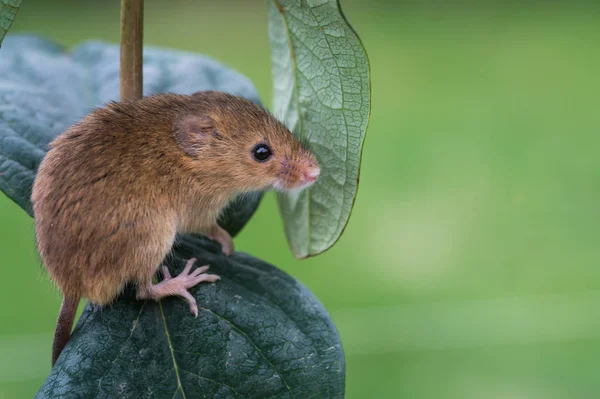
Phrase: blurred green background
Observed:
(470, 265)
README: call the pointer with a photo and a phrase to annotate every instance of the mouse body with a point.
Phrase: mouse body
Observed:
(115, 188)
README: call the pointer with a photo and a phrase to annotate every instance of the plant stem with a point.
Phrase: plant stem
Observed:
(132, 38)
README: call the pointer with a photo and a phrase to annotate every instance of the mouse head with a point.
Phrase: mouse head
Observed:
(244, 146)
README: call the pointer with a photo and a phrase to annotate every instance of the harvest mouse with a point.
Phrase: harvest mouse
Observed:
(115, 188)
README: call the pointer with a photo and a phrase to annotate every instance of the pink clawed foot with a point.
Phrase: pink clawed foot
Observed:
(179, 285)
(222, 237)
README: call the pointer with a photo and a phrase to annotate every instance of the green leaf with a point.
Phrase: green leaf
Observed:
(322, 90)
(259, 334)
(44, 89)
(236, 215)
(8, 12)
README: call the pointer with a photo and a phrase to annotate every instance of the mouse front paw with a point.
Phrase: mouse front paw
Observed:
(179, 285)
(221, 236)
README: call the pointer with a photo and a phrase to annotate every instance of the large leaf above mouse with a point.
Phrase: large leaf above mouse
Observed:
(45, 88)
(322, 90)
(259, 334)
(8, 12)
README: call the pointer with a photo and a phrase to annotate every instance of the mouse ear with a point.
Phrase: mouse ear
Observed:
(191, 131)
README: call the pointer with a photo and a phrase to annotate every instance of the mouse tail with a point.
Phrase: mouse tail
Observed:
(64, 324)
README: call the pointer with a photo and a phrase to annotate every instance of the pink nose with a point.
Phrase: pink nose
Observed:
(312, 174)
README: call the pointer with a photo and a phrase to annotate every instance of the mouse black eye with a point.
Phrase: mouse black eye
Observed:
(261, 152)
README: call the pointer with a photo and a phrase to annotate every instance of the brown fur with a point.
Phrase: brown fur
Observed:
(115, 188)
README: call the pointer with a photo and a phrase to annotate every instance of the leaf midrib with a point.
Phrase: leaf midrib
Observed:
(282, 11)
(341, 220)
(233, 326)
(175, 365)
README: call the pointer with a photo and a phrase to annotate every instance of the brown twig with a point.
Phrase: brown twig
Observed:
(132, 39)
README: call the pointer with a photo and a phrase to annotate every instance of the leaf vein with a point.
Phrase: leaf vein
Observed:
(211, 380)
(236, 328)
(297, 96)
(340, 219)
(135, 324)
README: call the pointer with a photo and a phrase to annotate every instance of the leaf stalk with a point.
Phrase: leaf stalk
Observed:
(132, 39)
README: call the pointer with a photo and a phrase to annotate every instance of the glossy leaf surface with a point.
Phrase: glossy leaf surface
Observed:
(259, 334)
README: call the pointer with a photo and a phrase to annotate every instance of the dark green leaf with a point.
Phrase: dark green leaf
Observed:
(322, 89)
(259, 334)
(8, 12)
(235, 216)
(44, 89)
